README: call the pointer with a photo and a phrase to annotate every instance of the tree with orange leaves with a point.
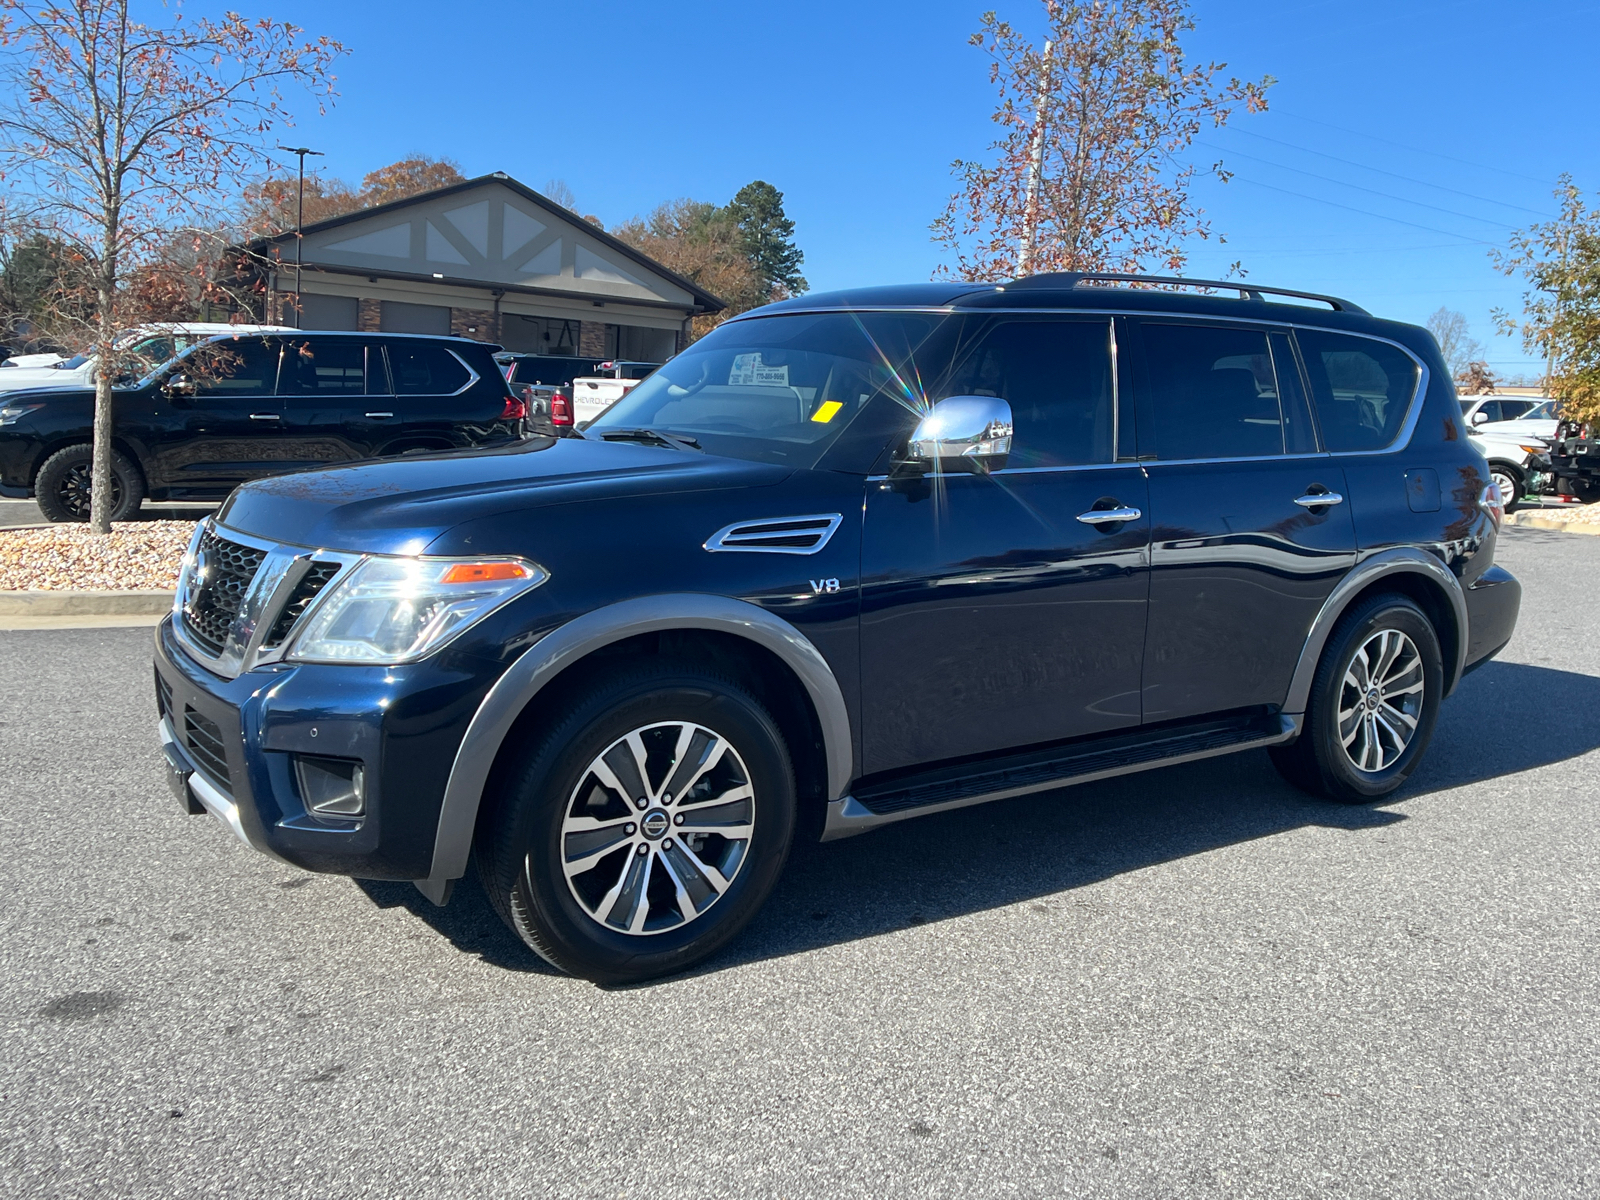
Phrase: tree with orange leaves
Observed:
(114, 134)
(1090, 170)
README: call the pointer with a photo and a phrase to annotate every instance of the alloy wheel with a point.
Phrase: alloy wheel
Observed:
(1380, 700)
(75, 487)
(1510, 492)
(657, 828)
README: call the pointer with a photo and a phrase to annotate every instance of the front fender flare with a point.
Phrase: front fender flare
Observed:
(458, 816)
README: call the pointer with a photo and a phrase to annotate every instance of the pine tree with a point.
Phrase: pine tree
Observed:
(767, 237)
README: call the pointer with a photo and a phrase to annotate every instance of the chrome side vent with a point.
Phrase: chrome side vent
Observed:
(780, 535)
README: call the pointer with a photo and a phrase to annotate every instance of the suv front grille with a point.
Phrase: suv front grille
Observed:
(203, 737)
(216, 599)
(308, 589)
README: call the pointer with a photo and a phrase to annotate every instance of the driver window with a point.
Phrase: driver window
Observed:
(1056, 375)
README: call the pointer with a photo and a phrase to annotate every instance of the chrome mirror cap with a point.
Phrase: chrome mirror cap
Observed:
(970, 433)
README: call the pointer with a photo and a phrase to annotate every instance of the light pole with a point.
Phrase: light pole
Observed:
(299, 220)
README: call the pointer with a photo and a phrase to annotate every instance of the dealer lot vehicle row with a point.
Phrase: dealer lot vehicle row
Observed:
(243, 406)
(849, 559)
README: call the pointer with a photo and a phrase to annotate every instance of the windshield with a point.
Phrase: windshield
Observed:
(1545, 412)
(777, 389)
(73, 363)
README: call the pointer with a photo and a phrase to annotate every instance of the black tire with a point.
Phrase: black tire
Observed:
(1317, 762)
(63, 484)
(520, 842)
(1511, 484)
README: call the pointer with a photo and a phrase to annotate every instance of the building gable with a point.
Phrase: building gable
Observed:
(493, 232)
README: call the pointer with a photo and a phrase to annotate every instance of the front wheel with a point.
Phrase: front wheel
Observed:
(1374, 701)
(1509, 481)
(642, 832)
(63, 485)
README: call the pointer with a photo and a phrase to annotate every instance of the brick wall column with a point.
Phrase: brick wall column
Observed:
(369, 315)
(592, 339)
(475, 323)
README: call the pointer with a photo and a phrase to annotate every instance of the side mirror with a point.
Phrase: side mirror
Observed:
(963, 433)
(179, 387)
(1480, 417)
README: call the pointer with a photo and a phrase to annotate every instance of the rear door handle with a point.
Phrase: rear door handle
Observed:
(1108, 516)
(264, 416)
(379, 416)
(1318, 499)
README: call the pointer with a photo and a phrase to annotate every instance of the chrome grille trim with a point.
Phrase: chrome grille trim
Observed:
(275, 585)
(777, 535)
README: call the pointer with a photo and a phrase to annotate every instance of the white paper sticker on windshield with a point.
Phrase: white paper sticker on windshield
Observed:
(744, 369)
(749, 371)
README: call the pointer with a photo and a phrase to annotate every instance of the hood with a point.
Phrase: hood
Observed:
(66, 389)
(401, 505)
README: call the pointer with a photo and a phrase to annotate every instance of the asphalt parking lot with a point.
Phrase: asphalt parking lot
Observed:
(1194, 982)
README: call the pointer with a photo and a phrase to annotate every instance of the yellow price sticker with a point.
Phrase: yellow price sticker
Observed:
(827, 412)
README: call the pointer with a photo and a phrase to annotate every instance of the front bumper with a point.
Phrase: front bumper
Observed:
(231, 744)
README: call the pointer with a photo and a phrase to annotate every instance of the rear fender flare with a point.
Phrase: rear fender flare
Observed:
(1384, 564)
(566, 645)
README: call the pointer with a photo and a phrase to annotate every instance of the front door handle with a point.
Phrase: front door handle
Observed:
(379, 416)
(1109, 516)
(264, 416)
(1319, 499)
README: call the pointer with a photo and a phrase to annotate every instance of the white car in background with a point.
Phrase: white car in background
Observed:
(153, 344)
(1539, 421)
(611, 381)
(33, 360)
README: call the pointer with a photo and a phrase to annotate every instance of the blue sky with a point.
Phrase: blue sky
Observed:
(1406, 137)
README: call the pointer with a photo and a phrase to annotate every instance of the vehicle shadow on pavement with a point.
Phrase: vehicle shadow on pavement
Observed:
(1036, 847)
(467, 921)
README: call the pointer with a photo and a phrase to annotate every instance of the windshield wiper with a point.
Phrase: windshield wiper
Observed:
(679, 441)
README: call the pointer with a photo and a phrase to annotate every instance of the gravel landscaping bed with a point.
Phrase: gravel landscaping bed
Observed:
(138, 556)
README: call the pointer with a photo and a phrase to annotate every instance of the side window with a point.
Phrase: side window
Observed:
(323, 367)
(241, 367)
(1056, 375)
(425, 369)
(1362, 388)
(1212, 392)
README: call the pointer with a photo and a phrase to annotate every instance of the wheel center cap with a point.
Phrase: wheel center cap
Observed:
(655, 824)
(1372, 698)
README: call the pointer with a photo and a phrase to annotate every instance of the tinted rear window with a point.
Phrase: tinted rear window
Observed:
(425, 369)
(1213, 392)
(1363, 388)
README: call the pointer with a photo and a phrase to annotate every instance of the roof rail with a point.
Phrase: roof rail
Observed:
(1247, 291)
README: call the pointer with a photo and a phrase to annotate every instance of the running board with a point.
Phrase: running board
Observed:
(1083, 762)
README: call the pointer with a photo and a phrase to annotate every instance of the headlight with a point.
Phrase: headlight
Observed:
(12, 413)
(395, 610)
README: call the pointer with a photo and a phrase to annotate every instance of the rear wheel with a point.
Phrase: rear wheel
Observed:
(643, 831)
(1374, 701)
(64, 482)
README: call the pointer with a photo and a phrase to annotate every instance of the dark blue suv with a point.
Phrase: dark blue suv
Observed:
(847, 560)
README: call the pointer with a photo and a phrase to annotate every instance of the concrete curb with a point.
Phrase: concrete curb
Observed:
(84, 604)
(1537, 519)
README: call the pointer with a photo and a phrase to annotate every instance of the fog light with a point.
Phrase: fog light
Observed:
(331, 787)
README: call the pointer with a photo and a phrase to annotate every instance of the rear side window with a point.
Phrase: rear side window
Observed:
(1212, 392)
(1362, 388)
(426, 369)
(317, 367)
(1056, 375)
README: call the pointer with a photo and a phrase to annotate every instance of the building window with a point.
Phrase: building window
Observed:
(538, 335)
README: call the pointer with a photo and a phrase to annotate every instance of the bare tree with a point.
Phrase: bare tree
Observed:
(1090, 171)
(117, 133)
(1456, 344)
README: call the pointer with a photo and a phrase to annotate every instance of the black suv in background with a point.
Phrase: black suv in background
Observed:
(848, 559)
(240, 407)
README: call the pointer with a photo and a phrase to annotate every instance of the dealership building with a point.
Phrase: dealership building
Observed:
(488, 259)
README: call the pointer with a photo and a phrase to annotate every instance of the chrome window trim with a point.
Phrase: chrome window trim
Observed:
(1401, 440)
(716, 543)
(472, 376)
